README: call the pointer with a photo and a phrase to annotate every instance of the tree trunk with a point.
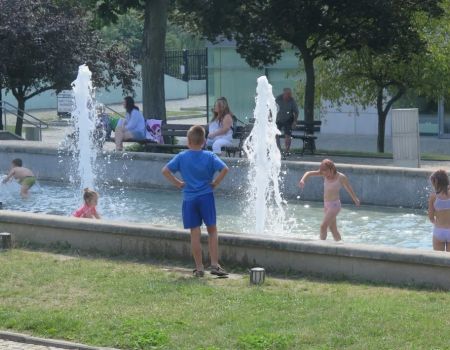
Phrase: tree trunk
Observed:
(20, 109)
(310, 86)
(155, 25)
(383, 112)
(381, 122)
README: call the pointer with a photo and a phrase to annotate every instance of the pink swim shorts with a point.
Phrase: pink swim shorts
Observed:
(332, 206)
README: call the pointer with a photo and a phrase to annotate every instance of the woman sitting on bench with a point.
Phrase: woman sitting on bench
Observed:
(221, 126)
(130, 128)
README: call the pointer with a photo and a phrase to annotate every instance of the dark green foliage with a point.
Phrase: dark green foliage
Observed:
(43, 43)
(319, 28)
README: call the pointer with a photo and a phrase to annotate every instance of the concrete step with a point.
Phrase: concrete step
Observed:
(6, 135)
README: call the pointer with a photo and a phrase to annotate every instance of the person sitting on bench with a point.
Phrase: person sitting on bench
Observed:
(130, 128)
(286, 117)
(221, 126)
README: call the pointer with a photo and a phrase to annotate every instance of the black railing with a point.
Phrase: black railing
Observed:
(27, 118)
(186, 64)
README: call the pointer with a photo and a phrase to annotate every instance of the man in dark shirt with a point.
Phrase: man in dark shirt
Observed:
(286, 117)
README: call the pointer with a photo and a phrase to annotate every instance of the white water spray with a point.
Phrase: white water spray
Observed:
(265, 203)
(83, 118)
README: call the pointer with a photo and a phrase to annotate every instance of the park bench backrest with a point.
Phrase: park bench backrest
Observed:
(175, 129)
(308, 128)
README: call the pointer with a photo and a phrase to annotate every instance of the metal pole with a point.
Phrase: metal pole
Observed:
(1, 109)
(186, 65)
(441, 116)
(207, 85)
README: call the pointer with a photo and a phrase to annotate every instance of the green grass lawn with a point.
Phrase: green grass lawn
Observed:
(135, 305)
(185, 113)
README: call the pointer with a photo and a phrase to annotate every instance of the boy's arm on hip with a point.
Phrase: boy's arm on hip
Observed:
(171, 177)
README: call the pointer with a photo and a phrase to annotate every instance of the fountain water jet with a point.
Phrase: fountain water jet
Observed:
(265, 203)
(83, 118)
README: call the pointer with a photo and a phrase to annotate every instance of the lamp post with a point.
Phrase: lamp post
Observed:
(1, 108)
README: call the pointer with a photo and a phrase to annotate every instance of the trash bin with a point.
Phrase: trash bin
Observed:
(32, 133)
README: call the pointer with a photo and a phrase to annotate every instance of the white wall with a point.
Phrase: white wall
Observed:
(197, 87)
(351, 120)
(175, 89)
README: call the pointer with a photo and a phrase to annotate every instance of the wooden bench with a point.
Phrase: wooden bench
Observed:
(240, 133)
(171, 131)
(305, 132)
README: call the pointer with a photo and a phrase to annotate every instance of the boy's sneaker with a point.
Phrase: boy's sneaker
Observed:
(218, 271)
(198, 273)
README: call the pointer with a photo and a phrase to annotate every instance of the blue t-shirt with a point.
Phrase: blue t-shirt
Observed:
(197, 169)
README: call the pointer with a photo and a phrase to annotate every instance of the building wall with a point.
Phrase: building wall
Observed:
(230, 76)
(175, 89)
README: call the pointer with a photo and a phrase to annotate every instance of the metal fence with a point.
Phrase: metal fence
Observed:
(186, 64)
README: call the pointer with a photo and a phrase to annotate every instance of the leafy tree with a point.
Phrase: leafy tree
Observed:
(434, 65)
(365, 77)
(128, 31)
(43, 43)
(153, 46)
(178, 39)
(319, 29)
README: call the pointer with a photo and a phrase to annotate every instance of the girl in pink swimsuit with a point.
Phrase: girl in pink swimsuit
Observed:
(332, 183)
(88, 210)
(439, 210)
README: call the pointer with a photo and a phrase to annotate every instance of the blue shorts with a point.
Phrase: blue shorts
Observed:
(198, 210)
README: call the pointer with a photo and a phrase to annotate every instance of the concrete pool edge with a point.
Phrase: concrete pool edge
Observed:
(354, 261)
(374, 185)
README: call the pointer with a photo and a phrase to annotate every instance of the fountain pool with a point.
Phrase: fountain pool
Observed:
(368, 224)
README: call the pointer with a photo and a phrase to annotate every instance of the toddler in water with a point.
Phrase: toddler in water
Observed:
(88, 210)
(439, 210)
(332, 183)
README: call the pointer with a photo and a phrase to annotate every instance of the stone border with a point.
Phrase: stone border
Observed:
(352, 261)
(62, 344)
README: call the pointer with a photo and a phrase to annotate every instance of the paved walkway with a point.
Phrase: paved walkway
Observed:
(18, 341)
(12, 345)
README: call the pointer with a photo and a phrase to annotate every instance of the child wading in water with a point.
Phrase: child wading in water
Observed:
(197, 168)
(88, 210)
(439, 210)
(24, 176)
(332, 183)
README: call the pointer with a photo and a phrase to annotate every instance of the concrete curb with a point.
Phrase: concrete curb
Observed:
(23, 338)
(362, 262)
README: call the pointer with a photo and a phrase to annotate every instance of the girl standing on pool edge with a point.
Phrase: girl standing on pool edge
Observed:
(332, 183)
(439, 210)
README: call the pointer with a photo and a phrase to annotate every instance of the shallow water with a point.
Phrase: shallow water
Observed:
(367, 224)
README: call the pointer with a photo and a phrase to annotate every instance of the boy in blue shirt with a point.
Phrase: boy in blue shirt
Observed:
(197, 168)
